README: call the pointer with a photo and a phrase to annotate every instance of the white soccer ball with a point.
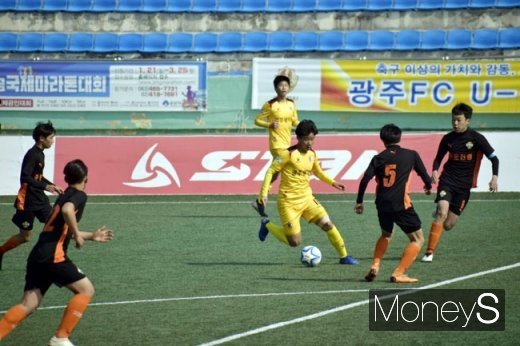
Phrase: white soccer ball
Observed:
(310, 256)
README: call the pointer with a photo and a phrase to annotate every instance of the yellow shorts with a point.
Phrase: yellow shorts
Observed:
(291, 212)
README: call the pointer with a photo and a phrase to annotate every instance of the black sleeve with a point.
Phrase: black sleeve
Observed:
(494, 165)
(488, 150)
(369, 174)
(441, 151)
(421, 170)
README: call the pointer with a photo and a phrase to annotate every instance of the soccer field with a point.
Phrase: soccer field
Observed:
(190, 270)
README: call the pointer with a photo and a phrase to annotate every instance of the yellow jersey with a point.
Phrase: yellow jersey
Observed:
(285, 114)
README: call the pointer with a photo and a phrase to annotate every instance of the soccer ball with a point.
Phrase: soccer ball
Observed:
(310, 256)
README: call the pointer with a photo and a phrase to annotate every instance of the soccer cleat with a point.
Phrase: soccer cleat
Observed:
(428, 257)
(55, 341)
(259, 207)
(371, 274)
(403, 279)
(348, 260)
(263, 231)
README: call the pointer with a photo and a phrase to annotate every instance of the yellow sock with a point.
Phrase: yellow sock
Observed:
(277, 231)
(337, 241)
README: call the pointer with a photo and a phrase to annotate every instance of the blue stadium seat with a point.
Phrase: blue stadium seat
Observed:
(482, 3)
(155, 42)
(104, 6)
(29, 5)
(485, 39)
(154, 5)
(508, 3)
(458, 39)
(456, 4)
(205, 42)
(204, 6)
(79, 5)
(278, 6)
(305, 41)
(105, 42)
(304, 5)
(8, 42)
(180, 42)
(229, 42)
(433, 39)
(130, 42)
(255, 42)
(405, 5)
(30, 42)
(229, 5)
(55, 42)
(407, 40)
(81, 42)
(329, 41)
(54, 5)
(179, 6)
(380, 5)
(509, 38)
(356, 41)
(381, 40)
(8, 5)
(129, 5)
(430, 4)
(355, 5)
(280, 41)
(254, 5)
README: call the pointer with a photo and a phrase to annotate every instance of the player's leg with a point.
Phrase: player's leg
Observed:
(24, 220)
(410, 223)
(443, 200)
(386, 222)
(16, 314)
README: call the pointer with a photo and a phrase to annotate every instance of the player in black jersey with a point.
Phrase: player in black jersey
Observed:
(49, 264)
(31, 201)
(465, 148)
(392, 169)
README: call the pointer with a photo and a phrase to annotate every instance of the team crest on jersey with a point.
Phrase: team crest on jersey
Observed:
(25, 224)
(442, 193)
(278, 159)
(469, 145)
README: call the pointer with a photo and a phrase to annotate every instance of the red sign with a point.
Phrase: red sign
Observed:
(217, 164)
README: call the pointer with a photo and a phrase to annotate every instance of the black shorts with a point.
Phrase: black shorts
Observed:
(24, 219)
(407, 220)
(458, 198)
(43, 275)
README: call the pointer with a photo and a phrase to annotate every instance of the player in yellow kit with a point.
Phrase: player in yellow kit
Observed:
(278, 115)
(295, 198)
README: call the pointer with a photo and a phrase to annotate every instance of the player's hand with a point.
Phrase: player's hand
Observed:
(54, 189)
(274, 125)
(493, 184)
(338, 186)
(103, 235)
(359, 208)
(435, 177)
(264, 200)
(79, 241)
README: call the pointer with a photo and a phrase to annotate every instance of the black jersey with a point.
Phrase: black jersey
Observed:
(392, 169)
(31, 195)
(54, 240)
(465, 155)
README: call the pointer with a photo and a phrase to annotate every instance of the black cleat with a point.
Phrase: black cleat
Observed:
(259, 207)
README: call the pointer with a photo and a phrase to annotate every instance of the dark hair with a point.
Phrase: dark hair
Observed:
(463, 109)
(305, 128)
(43, 129)
(281, 78)
(75, 171)
(390, 134)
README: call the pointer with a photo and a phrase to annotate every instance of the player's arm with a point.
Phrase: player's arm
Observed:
(262, 119)
(68, 210)
(295, 120)
(321, 175)
(490, 153)
(441, 152)
(421, 171)
(102, 235)
(369, 174)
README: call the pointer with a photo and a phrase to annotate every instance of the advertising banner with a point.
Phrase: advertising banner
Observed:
(103, 86)
(391, 86)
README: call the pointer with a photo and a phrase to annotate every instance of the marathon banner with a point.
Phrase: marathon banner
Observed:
(490, 86)
(103, 86)
(214, 165)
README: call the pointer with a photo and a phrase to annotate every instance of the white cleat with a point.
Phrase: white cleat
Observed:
(54, 341)
(427, 258)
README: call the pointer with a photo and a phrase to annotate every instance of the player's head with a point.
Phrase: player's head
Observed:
(44, 134)
(279, 79)
(306, 131)
(460, 117)
(390, 134)
(75, 171)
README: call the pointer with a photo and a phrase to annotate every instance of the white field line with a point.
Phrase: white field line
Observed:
(347, 306)
(248, 202)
